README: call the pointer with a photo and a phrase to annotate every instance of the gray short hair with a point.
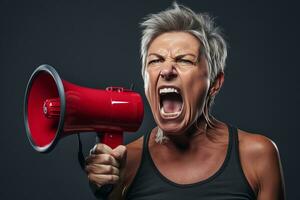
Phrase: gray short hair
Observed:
(181, 18)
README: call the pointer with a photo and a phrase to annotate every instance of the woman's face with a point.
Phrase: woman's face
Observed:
(177, 81)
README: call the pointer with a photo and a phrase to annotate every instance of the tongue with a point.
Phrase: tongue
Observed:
(171, 105)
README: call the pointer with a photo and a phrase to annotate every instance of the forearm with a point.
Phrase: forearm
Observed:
(117, 193)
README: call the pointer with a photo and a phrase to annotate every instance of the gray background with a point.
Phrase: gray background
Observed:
(96, 44)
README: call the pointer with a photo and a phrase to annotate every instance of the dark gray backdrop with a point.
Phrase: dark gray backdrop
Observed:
(96, 44)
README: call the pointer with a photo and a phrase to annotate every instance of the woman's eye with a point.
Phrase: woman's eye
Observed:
(154, 61)
(185, 61)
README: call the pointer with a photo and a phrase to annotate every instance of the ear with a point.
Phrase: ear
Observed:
(217, 84)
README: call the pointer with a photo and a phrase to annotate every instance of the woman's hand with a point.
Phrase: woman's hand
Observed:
(104, 165)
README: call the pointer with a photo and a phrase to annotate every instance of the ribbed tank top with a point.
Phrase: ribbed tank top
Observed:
(227, 183)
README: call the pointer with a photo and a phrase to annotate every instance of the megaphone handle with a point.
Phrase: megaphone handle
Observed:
(112, 139)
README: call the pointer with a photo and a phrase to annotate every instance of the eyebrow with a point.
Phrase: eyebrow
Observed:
(178, 56)
(155, 54)
(183, 55)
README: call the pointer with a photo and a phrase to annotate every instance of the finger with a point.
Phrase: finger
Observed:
(100, 148)
(103, 179)
(102, 169)
(120, 152)
(105, 159)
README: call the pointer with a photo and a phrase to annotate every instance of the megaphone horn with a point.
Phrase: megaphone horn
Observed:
(55, 108)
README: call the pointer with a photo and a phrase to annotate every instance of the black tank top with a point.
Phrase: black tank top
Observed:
(228, 183)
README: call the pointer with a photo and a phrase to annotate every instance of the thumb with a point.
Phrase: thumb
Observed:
(120, 152)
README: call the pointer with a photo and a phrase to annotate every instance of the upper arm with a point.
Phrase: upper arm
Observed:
(269, 171)
(261, 164)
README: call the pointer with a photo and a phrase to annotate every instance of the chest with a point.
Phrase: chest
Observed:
(189, 167)
(187, 178)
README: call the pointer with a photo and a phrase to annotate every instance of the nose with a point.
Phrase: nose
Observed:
(169, 72)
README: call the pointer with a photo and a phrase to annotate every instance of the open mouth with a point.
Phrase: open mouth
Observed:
(171, 102)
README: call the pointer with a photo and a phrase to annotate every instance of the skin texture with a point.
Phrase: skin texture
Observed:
(104, 164)
(173, 60)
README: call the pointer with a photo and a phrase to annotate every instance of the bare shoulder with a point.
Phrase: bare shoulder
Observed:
(260, 161)
(257, 147)
(135, 147)
(134, 151)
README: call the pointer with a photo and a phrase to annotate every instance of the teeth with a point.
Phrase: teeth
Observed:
(168, 90)
(169, 115)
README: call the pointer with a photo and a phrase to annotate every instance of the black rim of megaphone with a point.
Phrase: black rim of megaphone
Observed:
(50, 70)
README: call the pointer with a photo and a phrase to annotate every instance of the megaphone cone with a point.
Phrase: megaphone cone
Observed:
(55, 108)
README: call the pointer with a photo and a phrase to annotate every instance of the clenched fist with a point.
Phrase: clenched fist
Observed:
(104, 165)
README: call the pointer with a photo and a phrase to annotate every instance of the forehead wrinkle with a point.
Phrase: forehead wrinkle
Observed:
(162, 52)
(176, 49)
(172, 44)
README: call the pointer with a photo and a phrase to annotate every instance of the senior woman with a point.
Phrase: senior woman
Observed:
(190, 154)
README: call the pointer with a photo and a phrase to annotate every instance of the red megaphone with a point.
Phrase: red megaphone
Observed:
(55, 108)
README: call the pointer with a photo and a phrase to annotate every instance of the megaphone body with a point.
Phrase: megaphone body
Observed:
(55, 108)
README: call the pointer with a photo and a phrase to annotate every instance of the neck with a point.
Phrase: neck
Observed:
(193, 135)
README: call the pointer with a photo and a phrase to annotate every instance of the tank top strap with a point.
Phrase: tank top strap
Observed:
(234, 157)
(235, 166)
(146, 139)
(233, 141)
(233, 134)
(146, 153)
